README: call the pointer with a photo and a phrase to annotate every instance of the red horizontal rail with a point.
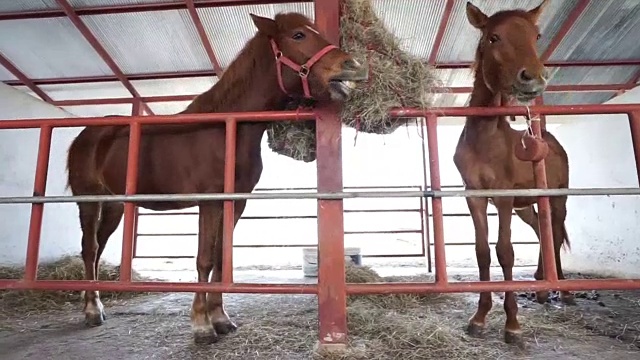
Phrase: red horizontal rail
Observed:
(205, 73)
(272, 116)
(451, 90)
(355, 289)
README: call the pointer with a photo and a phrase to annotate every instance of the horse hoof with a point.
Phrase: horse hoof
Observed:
(542, 297)
(94, 319)
(568, 299)
(205, 336)
(515, 338)
(475, 330)
(225, 327)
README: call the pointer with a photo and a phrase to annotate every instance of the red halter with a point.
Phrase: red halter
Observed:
(302, 70)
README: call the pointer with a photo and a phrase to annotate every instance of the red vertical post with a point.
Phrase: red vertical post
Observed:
(136, 110)
(544, 214)
(129, 207)
(229, 187)
(634, 127)
(37, 210)
(332, 291)
(438, 218)
(425, 201)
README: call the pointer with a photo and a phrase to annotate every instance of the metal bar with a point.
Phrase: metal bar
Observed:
(229, 212)
(322, 195)
(191, 7)
(24, 78)
(362, 232)
(129, 207)
(135, 7)
(113, 78)
(273, 246)
(634, 127)
(39, 188)
(447, 90)
(544, 215)
(427, 239)
(285, 217)
(136, 109)
(270, 116)
(438, 226)
(493, 286)
(352, 289)
(99, 49)
(566, 26)
(157, 286)
(441, 30)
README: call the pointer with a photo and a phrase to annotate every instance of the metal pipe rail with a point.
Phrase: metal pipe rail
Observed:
(332, 288)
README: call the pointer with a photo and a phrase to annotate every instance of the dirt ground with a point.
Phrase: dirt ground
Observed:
(603, 325)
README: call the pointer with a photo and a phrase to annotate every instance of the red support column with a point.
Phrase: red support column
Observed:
(129, 207)
(634, 126)
(229, 187)
(332, 291)
(39, 189)
(136, 110)
(425, 201)
(438, 218)
(544, 215)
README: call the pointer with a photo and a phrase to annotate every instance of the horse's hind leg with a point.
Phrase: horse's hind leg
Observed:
(558, 217)
(89, 217)
(215, 307)
(530, 217)
(110, 218)
(209, 220)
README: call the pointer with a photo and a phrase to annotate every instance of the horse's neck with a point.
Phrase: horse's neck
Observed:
(478, 127)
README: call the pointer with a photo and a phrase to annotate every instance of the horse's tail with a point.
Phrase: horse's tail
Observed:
(85, 157)
(566, 244)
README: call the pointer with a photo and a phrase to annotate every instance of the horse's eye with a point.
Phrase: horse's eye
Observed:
(539, 36)
(298, 36)
(494, 38)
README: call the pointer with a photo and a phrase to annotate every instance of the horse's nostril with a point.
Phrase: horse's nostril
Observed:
(350, 64)
(524, 76)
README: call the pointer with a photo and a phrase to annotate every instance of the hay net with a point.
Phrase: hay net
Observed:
(396, 79)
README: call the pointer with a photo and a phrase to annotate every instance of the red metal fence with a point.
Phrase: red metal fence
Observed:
(331, 288)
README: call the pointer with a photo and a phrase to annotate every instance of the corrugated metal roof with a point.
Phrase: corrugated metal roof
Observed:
(569, 98)
(460, 38)
(49, 48)
(168, 108)
(592, 75)
(99, 110)
(181, 86)
(227, 41)
(27, 5)
(87, 3)
(151, 41)
(414, 22)
(447, 100)
(606, 30)
(27, 91)
(83, 91)
(5, 74)
(456, 77)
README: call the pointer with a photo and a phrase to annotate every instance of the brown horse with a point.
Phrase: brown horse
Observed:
(507, 66)
(190, 158)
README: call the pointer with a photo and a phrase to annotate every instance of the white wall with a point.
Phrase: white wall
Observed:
(605, 231)
(18, 151)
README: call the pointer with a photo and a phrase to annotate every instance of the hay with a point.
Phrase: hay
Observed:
(396, 79)
(66, 268)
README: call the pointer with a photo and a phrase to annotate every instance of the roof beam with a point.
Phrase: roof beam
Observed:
(203, 36)
(129, 8)
(441, 30)
(566, 26)
(24, 79)
(102, 52)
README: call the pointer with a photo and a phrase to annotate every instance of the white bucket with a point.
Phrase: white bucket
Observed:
(310, 259)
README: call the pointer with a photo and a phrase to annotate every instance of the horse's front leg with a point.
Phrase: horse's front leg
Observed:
(203, 331)
(478, 210)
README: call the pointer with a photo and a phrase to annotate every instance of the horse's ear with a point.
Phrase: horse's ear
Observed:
(535, 13)
(475, 16)
(265, 25)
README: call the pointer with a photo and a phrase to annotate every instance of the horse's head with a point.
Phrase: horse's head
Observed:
(308, 64)
(507, 54)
